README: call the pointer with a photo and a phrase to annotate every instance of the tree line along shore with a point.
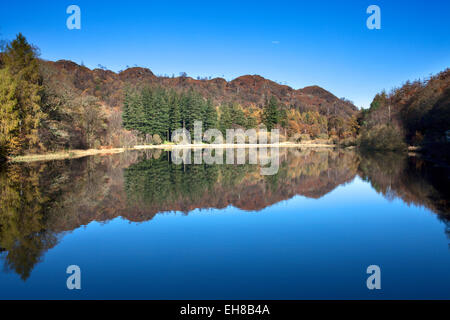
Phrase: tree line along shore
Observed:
(75, 154)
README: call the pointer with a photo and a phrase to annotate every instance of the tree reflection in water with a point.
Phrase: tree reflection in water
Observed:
(41, 201)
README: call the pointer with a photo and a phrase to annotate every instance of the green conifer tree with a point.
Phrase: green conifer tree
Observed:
(271, 114)
(209, 115)
(126, 115)
(175, 111)
(226, 121)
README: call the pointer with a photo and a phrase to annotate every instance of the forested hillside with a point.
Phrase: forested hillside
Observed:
(50, 106)
(418, 113)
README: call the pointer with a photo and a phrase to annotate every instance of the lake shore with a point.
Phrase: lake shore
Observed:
(74, 154)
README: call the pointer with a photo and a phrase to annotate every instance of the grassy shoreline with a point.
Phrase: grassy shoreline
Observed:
(74, 154)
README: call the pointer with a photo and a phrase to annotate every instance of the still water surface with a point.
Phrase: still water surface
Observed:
(141, 227)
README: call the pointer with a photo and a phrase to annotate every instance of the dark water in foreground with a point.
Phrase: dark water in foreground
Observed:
(141, 227)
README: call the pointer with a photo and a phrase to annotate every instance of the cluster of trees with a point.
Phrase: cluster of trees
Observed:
(232, 115)
(158, 112)
(312, 124)
(418, 113)
(155, 113)
(39, 112)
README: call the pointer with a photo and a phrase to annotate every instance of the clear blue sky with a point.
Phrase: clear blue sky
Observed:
(299, 43)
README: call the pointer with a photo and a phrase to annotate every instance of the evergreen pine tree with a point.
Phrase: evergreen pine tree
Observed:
(175, 111)
(271, 114)
(209, 115)
(147, 113)
(237, 115)
(184, 108)
(194, 109)
(126, 116)
(162, 118)
(226, 121)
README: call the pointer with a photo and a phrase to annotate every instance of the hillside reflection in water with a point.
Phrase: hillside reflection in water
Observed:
(41, 202)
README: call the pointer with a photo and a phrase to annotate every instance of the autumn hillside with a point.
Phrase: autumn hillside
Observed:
(417, 113)
(48, 106)
(246, 90)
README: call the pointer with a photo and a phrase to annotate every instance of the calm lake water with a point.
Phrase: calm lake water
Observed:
(141, 227)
